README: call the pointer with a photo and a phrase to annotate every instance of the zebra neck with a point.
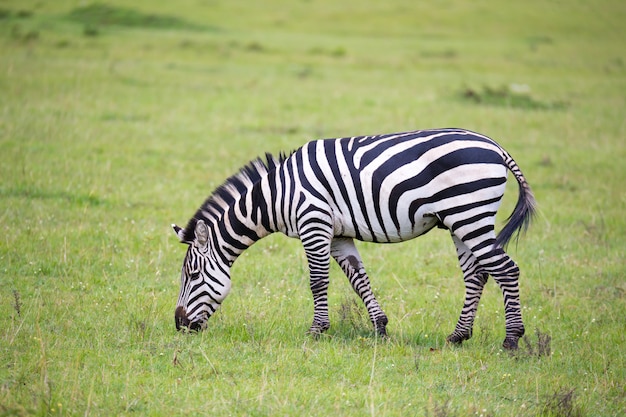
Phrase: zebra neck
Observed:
(248, 219)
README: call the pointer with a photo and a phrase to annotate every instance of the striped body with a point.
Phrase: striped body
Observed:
(385, 189)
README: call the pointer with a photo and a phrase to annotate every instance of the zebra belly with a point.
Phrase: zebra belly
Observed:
(346, 226)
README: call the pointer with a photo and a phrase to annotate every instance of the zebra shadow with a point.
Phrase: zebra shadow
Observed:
(351, 324)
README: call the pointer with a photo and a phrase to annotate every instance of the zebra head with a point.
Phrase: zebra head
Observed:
(205, 280)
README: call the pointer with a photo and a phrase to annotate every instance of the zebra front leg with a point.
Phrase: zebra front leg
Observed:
(345, 253)
(321, 320)
(475, 281)
(317, 249)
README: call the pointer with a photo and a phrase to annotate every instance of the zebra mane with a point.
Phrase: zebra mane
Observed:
(227, 193)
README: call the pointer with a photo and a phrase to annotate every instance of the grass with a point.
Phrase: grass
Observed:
(104, 15)
(112, 129)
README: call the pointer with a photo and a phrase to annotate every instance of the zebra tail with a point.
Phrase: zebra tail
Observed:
(524, 211)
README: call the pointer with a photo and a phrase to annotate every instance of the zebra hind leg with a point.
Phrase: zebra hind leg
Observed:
(474, 285)
(345, 253)
(506, 273)
(489, 259)
(475, 280)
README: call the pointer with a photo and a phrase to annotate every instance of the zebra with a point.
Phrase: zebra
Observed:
(382, 188)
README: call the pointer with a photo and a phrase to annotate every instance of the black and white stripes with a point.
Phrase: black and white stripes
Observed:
(386, 188)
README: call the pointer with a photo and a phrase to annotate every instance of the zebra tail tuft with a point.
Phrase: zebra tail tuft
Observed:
(522, 215)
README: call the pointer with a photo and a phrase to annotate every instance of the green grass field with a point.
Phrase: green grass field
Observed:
(117, 120)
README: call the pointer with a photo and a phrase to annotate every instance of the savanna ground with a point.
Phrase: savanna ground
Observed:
(117, 120)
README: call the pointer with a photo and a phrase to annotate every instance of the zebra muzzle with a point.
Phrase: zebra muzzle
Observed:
(180, 317)
(183, 322)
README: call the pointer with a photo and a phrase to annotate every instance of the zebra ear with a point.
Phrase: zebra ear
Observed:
(202, 233)
(181, 234)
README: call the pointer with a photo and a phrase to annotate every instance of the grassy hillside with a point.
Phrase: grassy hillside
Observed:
(117, 120)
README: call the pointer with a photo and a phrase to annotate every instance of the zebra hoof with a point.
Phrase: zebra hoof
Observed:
(381, 326)
(510, 343)
(458, 338)
(382, 332)
(317, 329)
